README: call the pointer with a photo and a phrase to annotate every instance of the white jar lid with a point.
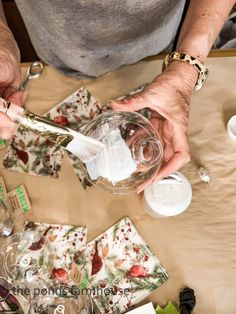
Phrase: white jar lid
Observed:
(168, 199)
(231, 127)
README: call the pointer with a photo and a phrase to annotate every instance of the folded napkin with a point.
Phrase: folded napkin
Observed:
(65, 241)
(29, 153)
(120, 268)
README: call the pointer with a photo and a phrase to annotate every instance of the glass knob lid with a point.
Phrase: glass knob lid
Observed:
(132, 154)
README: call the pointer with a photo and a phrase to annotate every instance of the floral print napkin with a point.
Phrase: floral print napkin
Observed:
(120, 268)
(34, 155)
(65, 241)
(29, 153)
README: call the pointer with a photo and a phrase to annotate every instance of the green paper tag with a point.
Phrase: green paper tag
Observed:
(19, 200)
(22, 199)
(3, 191)
(2, 144)
(169, 309)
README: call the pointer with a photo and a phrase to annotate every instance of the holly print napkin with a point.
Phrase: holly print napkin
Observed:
(34, 155)
(65, 240)
(29, 153)
(120, 268)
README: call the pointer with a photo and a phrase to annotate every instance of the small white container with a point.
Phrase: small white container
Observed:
(231, 127)
(166, 199)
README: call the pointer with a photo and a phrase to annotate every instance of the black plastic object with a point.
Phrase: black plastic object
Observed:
(187, 301)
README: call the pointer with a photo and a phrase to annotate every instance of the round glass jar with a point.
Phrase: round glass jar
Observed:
(133, 151)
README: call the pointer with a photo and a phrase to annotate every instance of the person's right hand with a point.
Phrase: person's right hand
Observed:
(168, 98)
(9, 78)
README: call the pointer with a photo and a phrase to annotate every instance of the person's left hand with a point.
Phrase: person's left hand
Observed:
(168, 97)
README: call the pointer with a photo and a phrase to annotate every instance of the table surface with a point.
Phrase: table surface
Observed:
(198, 247)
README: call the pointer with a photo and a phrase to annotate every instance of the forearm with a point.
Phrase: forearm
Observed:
(8, 44)
(202, 24)
(2, 16)
(5, 32)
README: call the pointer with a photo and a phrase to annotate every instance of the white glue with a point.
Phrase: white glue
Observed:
(169, 199)
(115, 162)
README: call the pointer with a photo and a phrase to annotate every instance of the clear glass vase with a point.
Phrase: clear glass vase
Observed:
(133, 151)
(67, 303)
(6, 220)
(27, 260)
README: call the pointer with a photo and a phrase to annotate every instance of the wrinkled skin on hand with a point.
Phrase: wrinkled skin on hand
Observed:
(9, 78)
(168, 97)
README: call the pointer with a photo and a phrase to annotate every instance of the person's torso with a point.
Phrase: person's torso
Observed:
(96, 36)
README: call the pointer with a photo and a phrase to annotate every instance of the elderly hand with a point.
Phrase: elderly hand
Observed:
(168, 97)
(9, 78)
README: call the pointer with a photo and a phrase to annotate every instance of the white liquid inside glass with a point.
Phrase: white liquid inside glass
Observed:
(115, 163)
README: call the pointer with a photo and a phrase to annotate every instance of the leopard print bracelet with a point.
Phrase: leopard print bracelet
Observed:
(180, 56)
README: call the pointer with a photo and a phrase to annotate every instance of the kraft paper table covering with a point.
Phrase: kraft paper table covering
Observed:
(198, 247)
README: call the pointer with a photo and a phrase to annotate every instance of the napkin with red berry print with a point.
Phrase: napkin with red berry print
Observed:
(120, 268)
(65, 241)
(29, 153)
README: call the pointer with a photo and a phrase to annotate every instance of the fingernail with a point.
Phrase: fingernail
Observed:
(157, 179)
(110, 103)
(139, 191)
(15, 88)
